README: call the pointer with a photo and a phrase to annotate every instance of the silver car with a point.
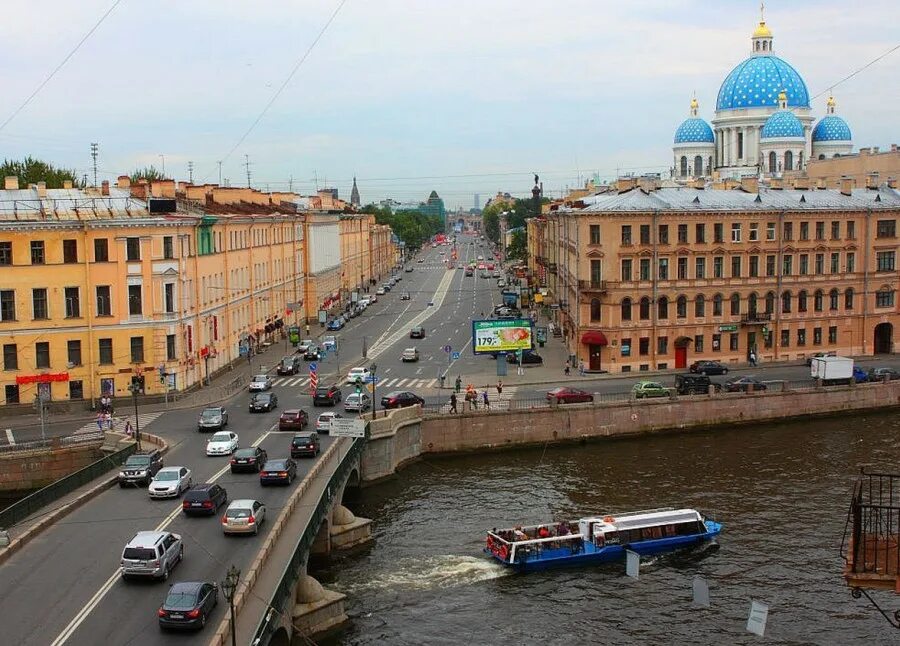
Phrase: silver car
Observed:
(152, 554)
(260, 383)
(170, 482)
(243, 517)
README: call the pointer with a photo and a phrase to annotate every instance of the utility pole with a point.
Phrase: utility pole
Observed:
(291, 184)
(163, 158)
(220, 172)
(191, 172)
(94, 150)
(247, 166)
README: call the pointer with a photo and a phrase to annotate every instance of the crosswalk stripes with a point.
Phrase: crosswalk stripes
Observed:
(391, 382)
(144, 420)
(497, 402)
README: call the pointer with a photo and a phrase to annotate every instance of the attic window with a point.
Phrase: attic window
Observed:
(878, 198)
(803, 198)
(758, 199)
(696, 200)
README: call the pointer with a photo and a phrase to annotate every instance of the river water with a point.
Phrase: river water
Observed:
(781, 490)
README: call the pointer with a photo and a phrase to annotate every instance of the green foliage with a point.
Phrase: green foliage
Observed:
(518, 246)
(149, 173)
(490, 224)
(32, 171)
(413, 227)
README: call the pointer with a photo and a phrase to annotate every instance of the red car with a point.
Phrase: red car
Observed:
(566, 395)
(294, 419)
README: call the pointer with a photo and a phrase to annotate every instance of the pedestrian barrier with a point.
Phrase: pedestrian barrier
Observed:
(55, 442)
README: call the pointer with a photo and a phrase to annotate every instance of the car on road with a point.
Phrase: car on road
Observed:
(289, 365)
(880, 374)
(380, 291)
(305, 444)
(529, 358)
(140, 468)
(404, 296)
(496, 274)
(169, 482)
(469, 272)
(644, 389)
(386, 286)
(817, 355)
(212, 418)
(400, 399)
(188, 605)
(259, 383)
(420, 260)
(743, 384)
(335, 324)
(359, 402)
(293, 419)
(860, 376)
(249, 459)
(408, 270)
(397, 278)
(263, 402)
(243, 517)
(313, 353)
(151, 554)
(691, 384)
(327, 395)
(304, 346)
(566, 395)
(417, 332)
(708, 368)
(323, 422)
(204, 498)
(222, 443)
(409, 354)
(372, 298)
(360, 374)
(278, 471)
(329, 343)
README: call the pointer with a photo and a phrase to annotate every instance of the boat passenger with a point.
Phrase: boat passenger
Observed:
(519, 534)
(543, 532)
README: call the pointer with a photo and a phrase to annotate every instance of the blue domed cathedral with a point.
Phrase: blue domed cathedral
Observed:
(763, 124)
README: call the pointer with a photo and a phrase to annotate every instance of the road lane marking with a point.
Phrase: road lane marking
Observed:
(10, 438)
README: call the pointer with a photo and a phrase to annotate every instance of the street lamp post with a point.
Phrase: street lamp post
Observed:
(374, 370)
(134, 388)
(229, 586)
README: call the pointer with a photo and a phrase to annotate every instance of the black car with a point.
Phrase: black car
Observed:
(280, 471)
(743, 384)
(329, 395)
(263, 402)
(305, 444)
(140, 468)
(417, 333)
(529, 357)
(313, 353)
(250, 459)
(400, 399)
(188, 605)
(880, 374)
(205, 498)
(694, 384)
(289, 365)
(708, 368)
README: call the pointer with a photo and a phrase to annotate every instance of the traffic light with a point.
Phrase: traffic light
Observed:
(358, 385)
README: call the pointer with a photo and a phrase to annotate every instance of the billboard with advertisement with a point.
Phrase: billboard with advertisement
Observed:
(504, 335)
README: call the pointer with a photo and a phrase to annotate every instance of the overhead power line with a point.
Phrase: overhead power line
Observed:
(854, 73)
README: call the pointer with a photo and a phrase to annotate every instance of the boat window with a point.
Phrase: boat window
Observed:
(670, 530)
(657, 532)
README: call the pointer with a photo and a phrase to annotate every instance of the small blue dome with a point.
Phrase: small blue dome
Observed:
(782, 124)
(694, 130)
(831, 128)
(756, 82)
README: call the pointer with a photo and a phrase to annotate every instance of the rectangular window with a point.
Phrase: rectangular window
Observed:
(851, 262)
(132, 249)
(735, 231)
(682, 268)
(698, 343)
(106, 351)
(804, 230)
(770, 265)
(645, 234)
(645, 269)
(37, 252)
(626, 268)
(104, 304)
(76, 389)
(135, 306)
(886, 229)
(644, 345)
(884, 298)
(170, 347)
(817, 336)
(820, 264)
(662, 345)
(596, 277)
(851, 230)
(626, 347)
(718, 232)
(663, 234)
(10, 356)
(718, 266)
(137, 349)
(733, 340)
(664, 269)
(832, 334)
(735, 266)
(835, 263)
(820, 230)
(785, 338)
(5, 253)
(626, 234)
(42, 354)
(39, 306)
(740, 145)
(804, 264)
(754, 231)
(73, 303)
(717, 342)
(836, 230)
(7, 305)
(788, 267)
(754, 266)
(884, 261)
(101, 250)
(682, 233)
(169, 246)
(700, 232)
(770, 231)
(70, 251)
(700, 268)
(788, 231)
(801, 338)
(73, 352)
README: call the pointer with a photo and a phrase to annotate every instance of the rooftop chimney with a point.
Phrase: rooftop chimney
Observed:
(42, 189)
(801, 183)
(872, 180)
(67, 184)
(846, 186)
(820, 184)
(750, 184)
(625, 184)
(11, 183)
(139, 191)
(892, 182)
(104, 187)
(123, 181)
(699, 183)
(775, 183)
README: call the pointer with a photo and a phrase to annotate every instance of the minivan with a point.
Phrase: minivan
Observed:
(152, 554)
(694, 384)
(358, 402)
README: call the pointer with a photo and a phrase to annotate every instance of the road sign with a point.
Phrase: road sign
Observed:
(372, 379)
(447, 348)
(313, 366)
(341, 427)
(454, 356)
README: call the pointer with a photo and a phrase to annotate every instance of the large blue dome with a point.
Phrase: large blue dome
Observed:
(694, 130)
(756, 82)
(831, 128)
(782, 124)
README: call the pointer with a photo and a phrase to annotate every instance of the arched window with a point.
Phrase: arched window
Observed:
(770, 303)
(788, 160)
(645, 309)
(801, 300)
(848, 299)
(683, 166)
(800, 160)
(821, 156)
(698, 166)
(751, 304)
(773, 162)
(700, 306)
(735, 304)
(819, 300)
(833, 297)
(626, 309)
(662, 307)
(717, 305)
(681, 307)
(785, 302)
(595, 309)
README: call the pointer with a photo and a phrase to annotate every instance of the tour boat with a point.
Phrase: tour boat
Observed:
(599, 539)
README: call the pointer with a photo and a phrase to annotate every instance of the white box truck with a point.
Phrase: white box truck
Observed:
(832, 370)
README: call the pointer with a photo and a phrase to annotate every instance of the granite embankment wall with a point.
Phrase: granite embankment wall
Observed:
(404, 436)
(22, 471)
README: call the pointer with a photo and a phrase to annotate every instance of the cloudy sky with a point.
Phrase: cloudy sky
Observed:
(463, 96)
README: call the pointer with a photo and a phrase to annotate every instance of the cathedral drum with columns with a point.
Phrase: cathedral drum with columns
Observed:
(763, 124)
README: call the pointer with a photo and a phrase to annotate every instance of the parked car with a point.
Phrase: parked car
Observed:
(313, 353)
(335, 324)
(360, 402)
(404, 296)
(214, 418)
(293, 419)
(529, 357)
(188, 604)
(409, 354)
(860, 376)
(169, 482)
(151, 554)
(205, 498)
(305, 444)
(329, 395)
(386, 287)
(263, 402)
(417, 332)
(420, 260)
(323, 422)
(743, 384)
(408, 270)
(691, 384)
(358, 374)
(140, 468)
(280, 471)
(243, 517)
(305, 345)
(566, 395)
(222, 443)
(260, 383)
(708, 368)
(380, 291)
(643, 389)
(400, 399)
(249, 459)
(880, 374)
(329, 343)
(289, 365)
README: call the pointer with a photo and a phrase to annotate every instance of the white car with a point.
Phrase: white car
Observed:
(243, 517)
(323, 423)
(222, 443)
(304, 346)
(380, 291)
(361, 374)
(169, 482)
(357, 402)
(329, 342)
(260, 383)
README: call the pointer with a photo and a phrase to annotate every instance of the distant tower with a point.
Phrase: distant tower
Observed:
(354, 194)
(477, 201)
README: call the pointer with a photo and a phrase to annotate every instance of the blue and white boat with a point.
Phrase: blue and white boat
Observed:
(600, 539)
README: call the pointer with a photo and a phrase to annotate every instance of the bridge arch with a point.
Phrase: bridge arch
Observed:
(280, 638)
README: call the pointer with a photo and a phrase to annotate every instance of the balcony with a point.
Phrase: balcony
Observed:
(757, 318)
(598, 286)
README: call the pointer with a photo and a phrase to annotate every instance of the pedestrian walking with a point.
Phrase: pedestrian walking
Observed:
(458, 384)
(752, 359)
(441, 377)
(487, 402)
(499, 387)
(567, 369)
(453, 403)
(307, 329)
(129, 431)
(99, 421)
(581, 368)
(107, 419)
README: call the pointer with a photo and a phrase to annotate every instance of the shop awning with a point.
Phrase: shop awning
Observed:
(594, 337)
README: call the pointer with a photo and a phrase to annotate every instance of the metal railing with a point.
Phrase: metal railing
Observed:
(22, 509)
(54, 442)
(874, 526)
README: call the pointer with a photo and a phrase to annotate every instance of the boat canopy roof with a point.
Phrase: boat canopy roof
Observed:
(637, 520)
